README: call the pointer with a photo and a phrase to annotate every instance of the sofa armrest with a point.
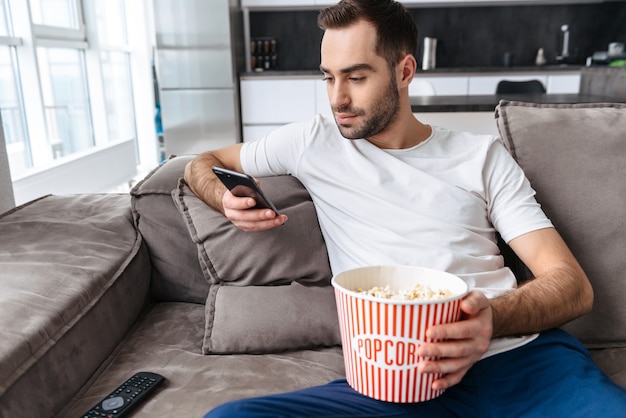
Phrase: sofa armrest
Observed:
(74, 277)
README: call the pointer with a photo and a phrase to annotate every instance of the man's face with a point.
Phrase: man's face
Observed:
(363, 93)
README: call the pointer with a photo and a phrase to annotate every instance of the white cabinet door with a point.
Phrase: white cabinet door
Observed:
(438, 86)
(563, 83)
(195, 121)
(475, 122)
(486, 84)
(275, 102)
(322, 103)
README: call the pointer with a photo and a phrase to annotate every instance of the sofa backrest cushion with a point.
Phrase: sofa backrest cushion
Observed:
(176, 274)
(575, 159)
(269, 290)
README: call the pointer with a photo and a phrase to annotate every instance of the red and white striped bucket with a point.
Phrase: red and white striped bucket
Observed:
(381, 337)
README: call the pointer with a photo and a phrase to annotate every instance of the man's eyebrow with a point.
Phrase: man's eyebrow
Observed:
(351, 69)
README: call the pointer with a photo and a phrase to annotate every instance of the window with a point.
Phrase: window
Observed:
(56, 13)
(66, 93)
(115, 62)
(117, 95)
(4, 30)
(12, 110)
(110, 22)
(66, 104)
(11, 105)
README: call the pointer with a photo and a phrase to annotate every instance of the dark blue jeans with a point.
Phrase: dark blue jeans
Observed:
(553, 376)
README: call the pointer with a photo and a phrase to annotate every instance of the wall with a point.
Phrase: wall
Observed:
(6, 189)
(476, 36)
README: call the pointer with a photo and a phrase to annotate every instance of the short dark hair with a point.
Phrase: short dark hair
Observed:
(396, 29)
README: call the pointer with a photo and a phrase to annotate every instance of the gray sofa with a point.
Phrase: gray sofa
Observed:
(94, 288)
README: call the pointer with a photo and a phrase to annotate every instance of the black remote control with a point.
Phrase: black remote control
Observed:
(128, 395)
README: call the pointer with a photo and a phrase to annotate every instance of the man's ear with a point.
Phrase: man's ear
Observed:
(406, 68)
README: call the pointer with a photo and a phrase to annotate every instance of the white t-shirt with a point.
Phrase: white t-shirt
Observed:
(436, 205)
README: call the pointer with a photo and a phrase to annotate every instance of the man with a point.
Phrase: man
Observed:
(389, 189)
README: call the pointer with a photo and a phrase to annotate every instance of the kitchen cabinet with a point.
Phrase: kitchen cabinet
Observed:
(277, 101)
(486, 84)
(554, 83)
(267, 103)
(194, 57)
(563, 83)
(438, 85)
(476, 122)
(322, 104)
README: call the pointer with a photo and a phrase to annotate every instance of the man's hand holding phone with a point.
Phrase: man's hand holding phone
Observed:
(245, 204)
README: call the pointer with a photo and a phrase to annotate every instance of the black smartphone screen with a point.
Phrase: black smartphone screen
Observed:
(243, 185)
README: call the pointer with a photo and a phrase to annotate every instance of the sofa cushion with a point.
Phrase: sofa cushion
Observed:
(575, 158)
(269, 290)
(177, 278)
(197, 383)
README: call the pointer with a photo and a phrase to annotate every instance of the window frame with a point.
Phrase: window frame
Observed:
(56, 32)
(90, 170)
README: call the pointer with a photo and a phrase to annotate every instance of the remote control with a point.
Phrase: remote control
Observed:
(128, 395)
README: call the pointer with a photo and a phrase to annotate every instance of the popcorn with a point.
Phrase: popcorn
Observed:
(418, 292)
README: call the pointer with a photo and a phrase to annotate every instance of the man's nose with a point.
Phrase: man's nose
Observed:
(338, 95)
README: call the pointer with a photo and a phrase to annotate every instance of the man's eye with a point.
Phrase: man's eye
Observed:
(327, 79)
(356, 79)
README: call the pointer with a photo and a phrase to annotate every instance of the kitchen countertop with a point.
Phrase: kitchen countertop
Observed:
(512, 69)
(487, 103)
(434, 72)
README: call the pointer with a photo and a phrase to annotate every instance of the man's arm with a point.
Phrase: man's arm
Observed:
(205, 184)
(559, 292)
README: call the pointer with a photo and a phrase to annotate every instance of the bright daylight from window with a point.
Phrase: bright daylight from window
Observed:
(66, 88)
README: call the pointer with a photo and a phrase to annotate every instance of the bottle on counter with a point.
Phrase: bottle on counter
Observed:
(430, 54)
(541, 58)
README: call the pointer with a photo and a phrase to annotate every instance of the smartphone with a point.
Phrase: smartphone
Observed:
(243, 185)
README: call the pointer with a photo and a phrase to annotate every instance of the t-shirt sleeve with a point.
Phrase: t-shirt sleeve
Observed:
(277, 153)
(513, 208)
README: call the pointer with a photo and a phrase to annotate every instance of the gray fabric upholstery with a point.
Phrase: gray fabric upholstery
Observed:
(269, 291)
(176, 272)
(197, 383)
(74, 277)
(574, 158)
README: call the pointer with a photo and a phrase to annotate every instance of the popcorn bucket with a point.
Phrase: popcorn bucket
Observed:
(381, 337)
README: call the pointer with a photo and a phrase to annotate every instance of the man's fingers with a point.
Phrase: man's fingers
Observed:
(452, 369)
(473, 303)
(448, 380)
(260, 225)
(230, 201)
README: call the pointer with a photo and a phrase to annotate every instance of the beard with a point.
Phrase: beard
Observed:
(375, 119)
